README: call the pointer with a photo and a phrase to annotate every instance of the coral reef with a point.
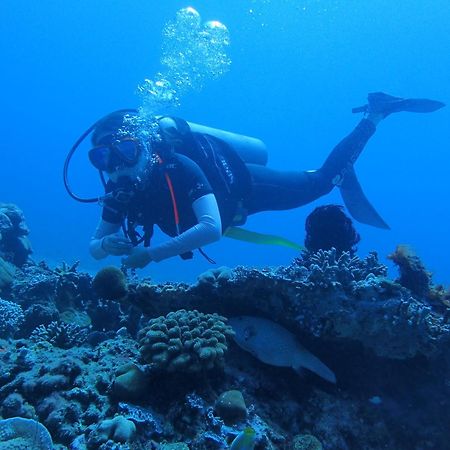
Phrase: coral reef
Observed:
(413, 274)
(59, 334)
(415, 277)
(186, 341)
(11, 317)
(15, 405)
(18, 433)
(68, 388)
(306, 442)
(230, 407)
(110, 283)
(7, 272)
(157, 371)
(328, 268)
(118, 429)
(130, 383)
(14, 244)
(328, 297)
(220, 276)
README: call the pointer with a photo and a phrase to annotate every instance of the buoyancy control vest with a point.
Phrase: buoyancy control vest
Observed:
(220, 154)
(222, 161)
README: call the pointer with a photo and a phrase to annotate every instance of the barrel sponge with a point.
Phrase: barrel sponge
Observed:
(18, 433)
(185, 341)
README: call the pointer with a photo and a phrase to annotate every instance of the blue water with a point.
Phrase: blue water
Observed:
(298, 67)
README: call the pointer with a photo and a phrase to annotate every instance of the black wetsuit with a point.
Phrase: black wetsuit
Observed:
(217, 169)
(280, 190)
(238, 187)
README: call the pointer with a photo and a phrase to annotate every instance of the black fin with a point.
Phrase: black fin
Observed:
(357, 204)
(417, 105)
(379, 102)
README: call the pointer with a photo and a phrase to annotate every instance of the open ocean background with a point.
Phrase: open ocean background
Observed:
(298, 67)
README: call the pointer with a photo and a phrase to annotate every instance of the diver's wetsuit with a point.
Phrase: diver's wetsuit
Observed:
(217, 169)
(269, 189)
(213, 186)
(239, 190)
(279, 190)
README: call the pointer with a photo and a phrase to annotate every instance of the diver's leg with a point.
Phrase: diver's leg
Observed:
(274, 190)
(380, 105)
(344, 155)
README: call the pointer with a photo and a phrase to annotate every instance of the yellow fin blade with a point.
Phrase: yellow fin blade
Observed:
(242, 234)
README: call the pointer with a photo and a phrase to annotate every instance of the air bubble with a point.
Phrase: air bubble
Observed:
(192, 53)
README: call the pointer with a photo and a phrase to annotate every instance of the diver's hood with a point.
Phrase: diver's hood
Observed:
(107, 128)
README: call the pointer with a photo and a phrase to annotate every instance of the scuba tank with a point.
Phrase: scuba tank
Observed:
(250, 149)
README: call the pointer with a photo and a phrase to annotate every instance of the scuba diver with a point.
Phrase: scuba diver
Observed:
(198, 183)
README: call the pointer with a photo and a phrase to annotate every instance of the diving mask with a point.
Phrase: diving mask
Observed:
(118, 154)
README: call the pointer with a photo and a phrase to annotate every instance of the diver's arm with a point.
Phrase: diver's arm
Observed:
(106, 241)
(207, 230)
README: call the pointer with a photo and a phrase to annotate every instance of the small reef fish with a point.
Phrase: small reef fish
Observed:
(274, 345)
(245, 440)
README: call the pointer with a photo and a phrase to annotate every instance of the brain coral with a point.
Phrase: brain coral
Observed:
(186, 341)
(110, 283)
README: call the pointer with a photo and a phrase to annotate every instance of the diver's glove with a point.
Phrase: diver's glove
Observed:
(116, 244)
(138, 258)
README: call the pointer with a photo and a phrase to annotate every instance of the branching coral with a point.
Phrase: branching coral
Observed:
(63, 335)
(186, 341)
(327, 268)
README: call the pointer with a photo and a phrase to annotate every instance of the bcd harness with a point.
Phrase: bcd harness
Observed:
(233, 232)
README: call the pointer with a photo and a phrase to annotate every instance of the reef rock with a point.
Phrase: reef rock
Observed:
(130, 383)
(230, 406)
(14, 244)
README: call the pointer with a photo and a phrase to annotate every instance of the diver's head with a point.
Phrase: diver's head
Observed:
(120, 157)
(115, 150)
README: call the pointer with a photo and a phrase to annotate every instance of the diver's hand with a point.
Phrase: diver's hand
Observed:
(117, 245)
(139, 258)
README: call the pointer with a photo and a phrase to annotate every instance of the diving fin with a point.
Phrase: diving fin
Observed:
(242, 234)
(379, 102)
(357, 203)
